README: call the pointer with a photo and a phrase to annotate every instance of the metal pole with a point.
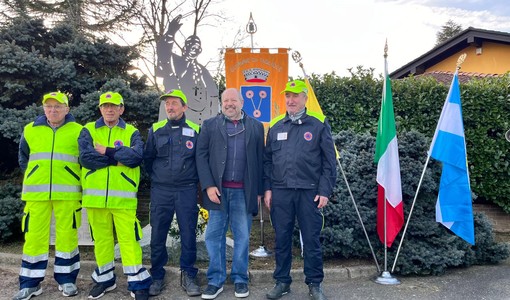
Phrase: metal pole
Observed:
(359, 215)
(261, 251)
(385, 234)
(296, 56)
(460, 60)
(251, 28)
(410, 212)
(386, 277)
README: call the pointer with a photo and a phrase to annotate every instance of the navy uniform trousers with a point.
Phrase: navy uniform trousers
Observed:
(286, 205)
(164, 202)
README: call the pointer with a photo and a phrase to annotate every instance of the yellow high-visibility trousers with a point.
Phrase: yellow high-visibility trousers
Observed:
(128, 231)
(36, 226)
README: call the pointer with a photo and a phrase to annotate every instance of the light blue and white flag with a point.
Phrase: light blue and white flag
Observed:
(453, 208)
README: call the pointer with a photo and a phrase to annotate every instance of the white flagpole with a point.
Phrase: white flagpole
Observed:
(410, 212)
(460, 60)
(297, 58)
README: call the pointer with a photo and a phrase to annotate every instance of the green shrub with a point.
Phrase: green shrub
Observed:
(353, 103)
(11, 212)
(429, 247)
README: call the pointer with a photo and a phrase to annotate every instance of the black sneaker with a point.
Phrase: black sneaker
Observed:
(241, 290)
(211, 292)
(315, 291)
(156, 287)
(278, 290)
(140, 294)
(189, 284)
(100, 289)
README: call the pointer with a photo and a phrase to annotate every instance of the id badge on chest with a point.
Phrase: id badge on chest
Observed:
(282, 136)
(188, 132)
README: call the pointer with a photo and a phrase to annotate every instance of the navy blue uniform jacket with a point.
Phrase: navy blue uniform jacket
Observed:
(300, 155)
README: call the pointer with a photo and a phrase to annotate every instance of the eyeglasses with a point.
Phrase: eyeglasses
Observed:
(235, 131)
(55, 107)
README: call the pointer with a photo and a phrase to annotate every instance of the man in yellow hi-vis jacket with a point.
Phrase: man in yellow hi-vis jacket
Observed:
(48, 156)
(111, 153)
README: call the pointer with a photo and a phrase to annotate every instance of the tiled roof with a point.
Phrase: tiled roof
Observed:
(469, 37)
(446, 77)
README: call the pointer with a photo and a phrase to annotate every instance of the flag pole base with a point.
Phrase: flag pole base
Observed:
(261, 251)
(387, 279)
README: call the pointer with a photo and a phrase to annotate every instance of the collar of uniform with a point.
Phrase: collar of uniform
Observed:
(302, 117)
(179, 122)
(100, 123)
(42, 120)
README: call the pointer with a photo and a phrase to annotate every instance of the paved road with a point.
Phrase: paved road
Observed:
(478, 282)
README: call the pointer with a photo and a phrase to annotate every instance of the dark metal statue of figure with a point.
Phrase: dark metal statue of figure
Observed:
(187, 74)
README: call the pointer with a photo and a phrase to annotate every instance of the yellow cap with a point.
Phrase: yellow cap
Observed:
(296, 86)
(174, 93)
(59, 96)
(111, 97)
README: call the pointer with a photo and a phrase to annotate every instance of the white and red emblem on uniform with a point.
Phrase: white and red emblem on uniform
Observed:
(189, 145)
(308, 136)
(118, 143)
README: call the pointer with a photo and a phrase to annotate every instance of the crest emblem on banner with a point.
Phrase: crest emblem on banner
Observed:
(258, 75)
(257, 98)
(257, 102)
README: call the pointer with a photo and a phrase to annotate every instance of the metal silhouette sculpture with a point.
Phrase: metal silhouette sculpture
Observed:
(184, 72)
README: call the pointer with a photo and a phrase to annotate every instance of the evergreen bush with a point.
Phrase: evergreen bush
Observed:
(354, 103)
(428, 247)
(11, 211)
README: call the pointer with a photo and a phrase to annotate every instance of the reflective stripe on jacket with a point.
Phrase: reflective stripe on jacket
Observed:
(114, 185)
(53, 171)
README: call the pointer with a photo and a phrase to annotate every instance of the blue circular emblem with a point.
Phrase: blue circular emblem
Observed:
(118, 143)
(308, 136)
(189, 145)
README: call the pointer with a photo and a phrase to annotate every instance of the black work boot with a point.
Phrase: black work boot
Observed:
(278, 290)
(156, 287)
(189, 284)
(315, 291)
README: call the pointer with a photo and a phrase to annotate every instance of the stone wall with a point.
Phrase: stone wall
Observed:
(499, 218)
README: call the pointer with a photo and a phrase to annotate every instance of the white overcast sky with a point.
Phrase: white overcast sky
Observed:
(335, 35)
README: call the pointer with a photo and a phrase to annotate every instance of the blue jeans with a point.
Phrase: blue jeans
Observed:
(239, 220)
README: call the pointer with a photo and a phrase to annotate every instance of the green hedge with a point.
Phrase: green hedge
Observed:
(354, 103)
(11, 211)
(428, 247)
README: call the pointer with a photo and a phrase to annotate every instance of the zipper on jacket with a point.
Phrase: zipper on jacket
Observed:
(235, 152)
(107, 172)
(51, 159)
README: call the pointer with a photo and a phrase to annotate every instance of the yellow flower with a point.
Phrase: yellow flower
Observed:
(203, 217)
(204, 214)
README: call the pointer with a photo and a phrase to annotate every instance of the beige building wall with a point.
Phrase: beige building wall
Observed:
(490, 58)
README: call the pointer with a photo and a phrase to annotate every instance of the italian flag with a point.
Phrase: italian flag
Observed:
(389, 191)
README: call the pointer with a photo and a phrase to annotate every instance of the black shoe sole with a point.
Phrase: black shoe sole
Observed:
(277, 297)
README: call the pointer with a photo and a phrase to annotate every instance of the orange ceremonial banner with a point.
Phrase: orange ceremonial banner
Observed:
(260, 75)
